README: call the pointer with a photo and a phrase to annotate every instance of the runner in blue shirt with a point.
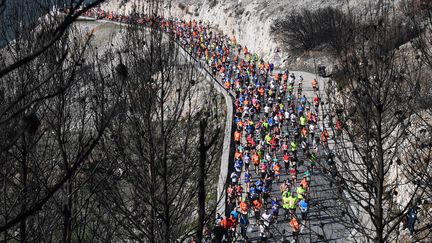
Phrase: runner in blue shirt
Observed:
(244, 223)
(304, 208)
(247, 179)
(235, 213)
(275, 208)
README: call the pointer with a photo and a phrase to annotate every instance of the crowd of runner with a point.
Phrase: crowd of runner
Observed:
(276, 131)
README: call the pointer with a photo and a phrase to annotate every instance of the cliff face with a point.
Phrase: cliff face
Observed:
(248, 20)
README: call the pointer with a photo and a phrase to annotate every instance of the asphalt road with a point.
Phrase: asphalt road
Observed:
(322, 225)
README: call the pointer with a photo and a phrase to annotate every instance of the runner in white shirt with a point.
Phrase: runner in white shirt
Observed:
(267, 218)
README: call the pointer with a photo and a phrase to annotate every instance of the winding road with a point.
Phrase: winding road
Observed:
(322, 225)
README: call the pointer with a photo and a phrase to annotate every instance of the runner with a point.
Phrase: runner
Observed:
(286, 159)
(277, 171)
(324, 137)
(247, 179)
(314, 85)
(244, 223)
(292, 203)
(244, 206)
(293, 174)
(301, 192)
(295, 227)
(313, 160)
(234, 216)
(286, 124)
(305, 182)
(227, 224)
(234, 177)
(257, 205)
(267, 219)
(304, 209)
(256, 160)
(264, 231)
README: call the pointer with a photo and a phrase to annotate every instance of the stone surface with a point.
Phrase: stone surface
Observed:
(248, 20)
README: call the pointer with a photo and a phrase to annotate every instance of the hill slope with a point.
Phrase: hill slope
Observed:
(248, 20)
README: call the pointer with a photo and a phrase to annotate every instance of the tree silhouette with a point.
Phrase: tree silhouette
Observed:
(373, 94)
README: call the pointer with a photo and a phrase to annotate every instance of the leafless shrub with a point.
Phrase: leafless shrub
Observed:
(306, 30)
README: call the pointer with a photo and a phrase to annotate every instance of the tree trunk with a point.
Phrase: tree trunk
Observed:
(165, 172)
(67, 213)
(152, 176)
(5, 216)
(201, 181)
(23, 225)
(379, 186)
(166, 207)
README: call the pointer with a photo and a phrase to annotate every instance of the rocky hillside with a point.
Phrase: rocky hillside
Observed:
(248, 20)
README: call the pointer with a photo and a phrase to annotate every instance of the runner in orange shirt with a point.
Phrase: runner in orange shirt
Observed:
(295, 227)
(244, 207)
(305, 183)
(257, 205)
(256, 162)
(277, 171)
(237, 137)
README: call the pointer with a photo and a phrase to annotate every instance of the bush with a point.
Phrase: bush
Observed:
(182, 6)
(307, 30)
(212, 3)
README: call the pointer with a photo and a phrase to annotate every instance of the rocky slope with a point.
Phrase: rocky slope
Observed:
(248, 20)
